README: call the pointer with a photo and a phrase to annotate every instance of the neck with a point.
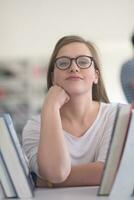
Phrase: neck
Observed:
(78, 108)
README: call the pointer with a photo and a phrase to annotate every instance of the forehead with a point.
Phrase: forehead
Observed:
(74, 49)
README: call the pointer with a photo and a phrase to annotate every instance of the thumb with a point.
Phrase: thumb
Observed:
(67, 98)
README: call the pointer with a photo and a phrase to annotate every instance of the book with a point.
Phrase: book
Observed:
(115, 151)
(124, 181)
(6, 182)
(15, 159)
(2, 194)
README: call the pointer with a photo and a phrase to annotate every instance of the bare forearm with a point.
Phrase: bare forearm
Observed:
(82, 175)
(53, 157)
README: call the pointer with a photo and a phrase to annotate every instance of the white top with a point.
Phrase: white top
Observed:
(90, 147)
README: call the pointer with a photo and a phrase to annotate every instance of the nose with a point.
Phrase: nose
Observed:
(74, 67)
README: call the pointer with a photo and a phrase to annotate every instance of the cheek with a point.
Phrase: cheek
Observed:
(56, 77)
(91, 75)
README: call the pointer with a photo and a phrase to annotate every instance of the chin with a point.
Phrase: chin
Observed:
(74, 91)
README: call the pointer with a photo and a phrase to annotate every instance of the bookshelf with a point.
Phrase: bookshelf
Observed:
(22, 88)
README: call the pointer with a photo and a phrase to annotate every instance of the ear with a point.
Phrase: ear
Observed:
(96, 76)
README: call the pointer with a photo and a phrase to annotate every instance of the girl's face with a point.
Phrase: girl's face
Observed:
(75, 80)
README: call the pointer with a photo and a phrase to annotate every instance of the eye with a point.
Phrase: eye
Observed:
(62, 62)
(84, 61)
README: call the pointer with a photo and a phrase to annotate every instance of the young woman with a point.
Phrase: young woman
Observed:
(68, 143)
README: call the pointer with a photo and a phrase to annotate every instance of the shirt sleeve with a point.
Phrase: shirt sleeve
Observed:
(30, 142)
(104, 142)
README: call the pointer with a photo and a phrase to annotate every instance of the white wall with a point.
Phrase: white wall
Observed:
(30, 28)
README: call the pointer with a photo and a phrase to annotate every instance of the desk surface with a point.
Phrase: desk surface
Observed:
(75, 193)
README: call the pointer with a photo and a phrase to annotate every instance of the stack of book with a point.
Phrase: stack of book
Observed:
(15, 177)
(118, 176)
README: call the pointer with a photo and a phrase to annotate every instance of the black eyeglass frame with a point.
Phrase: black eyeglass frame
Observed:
(75, 59)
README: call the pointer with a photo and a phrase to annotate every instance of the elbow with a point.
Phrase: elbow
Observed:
(59, 176)
(55, 174)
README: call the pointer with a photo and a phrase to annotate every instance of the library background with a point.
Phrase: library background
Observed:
(22, 89)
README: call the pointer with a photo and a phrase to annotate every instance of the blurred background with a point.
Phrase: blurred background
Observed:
(29, 30)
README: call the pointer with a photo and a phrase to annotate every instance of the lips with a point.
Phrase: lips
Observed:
(74, 78)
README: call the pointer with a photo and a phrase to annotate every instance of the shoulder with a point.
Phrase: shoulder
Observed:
(107, 112)
(108, 108)
(128, 65)
(32, 126)
(34, 120)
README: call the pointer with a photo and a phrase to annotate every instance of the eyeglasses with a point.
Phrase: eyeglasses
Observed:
(65, 62)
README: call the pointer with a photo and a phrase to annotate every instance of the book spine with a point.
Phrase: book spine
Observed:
(29, 186)
(21, 155)
(124, 182)
(6, 181)
(13, 134)
(2, 193)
